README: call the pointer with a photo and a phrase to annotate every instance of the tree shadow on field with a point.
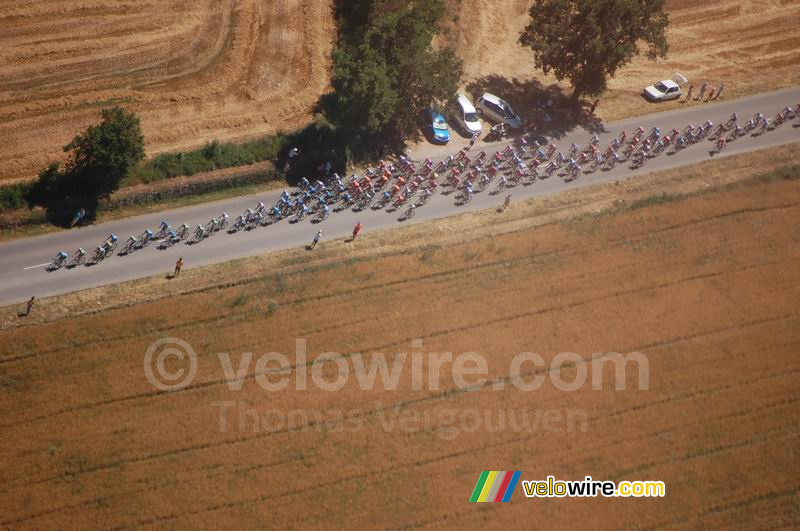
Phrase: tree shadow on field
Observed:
(545, 110)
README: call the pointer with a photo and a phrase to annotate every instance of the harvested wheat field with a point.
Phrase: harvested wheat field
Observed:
(705, 287)
(195, 70)
(750, 45)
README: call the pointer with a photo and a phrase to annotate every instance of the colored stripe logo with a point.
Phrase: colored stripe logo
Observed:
(494, 486)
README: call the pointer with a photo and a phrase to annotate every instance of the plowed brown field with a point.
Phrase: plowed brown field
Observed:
(706, 287)
(194, 70)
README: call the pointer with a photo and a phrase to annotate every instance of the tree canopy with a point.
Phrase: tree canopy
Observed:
(586, 41)
(100, 157)
(386, 70)
(97, 161)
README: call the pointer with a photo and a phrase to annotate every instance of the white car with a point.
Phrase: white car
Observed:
(466, 115)
(662, 91)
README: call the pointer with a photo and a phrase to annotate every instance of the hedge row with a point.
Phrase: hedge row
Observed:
(212, 156)
(190, 188)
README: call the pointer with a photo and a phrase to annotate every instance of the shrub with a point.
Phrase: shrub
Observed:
(212, 156)
(13, 196)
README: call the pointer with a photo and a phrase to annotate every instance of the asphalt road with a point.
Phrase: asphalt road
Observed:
(23, 262)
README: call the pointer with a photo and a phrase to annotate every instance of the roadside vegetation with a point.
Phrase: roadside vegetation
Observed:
(97, 161)
(586, 41)
(386, 71)
(213, 156)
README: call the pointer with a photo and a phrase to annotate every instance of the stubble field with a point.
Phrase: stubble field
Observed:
(706, 287)
(226, 70)
(750, 45)
(195, 71)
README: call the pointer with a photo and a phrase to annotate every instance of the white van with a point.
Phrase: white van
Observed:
(498, 110)
(467, 116)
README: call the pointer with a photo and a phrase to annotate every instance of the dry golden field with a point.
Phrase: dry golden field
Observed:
(705, 286)
(750, 45)
(195, 70)
(224, 69)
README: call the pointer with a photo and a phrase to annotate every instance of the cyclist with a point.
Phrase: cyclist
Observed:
(131, 244)
(468, 190)
(78, 257)
(60, 258)
(146, 237)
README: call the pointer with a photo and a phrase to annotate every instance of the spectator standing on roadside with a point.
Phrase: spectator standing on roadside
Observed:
(315, 241)
(719, 92)
(594, 106)
(356, 230)
(703, 88)
(711, 94)
(472, 141)
(178, 266)
(28, 308)
(504, 206)
(689, 94)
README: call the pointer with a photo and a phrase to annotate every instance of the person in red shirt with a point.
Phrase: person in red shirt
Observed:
(356, 230)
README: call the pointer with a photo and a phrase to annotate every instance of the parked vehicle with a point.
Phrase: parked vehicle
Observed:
(439, 131)
(498, 110)
(466, 115)
(662, 91)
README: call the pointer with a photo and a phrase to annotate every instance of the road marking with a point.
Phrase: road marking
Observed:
(33, 267)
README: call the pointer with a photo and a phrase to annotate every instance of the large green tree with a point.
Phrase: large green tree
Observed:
(386, 70)
(97, 161)
(586, 41)
(99, 158)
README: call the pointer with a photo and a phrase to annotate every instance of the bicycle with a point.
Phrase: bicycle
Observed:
(409, 213)
(163, 230)
(78, 258)
(222, 221)
(170, 240)
(100, 254)
(111, 242)
(58, 261)
(146, 238)
(129, 247)
(198, 236)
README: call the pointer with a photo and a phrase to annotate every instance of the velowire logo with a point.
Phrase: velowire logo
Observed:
(494, 486)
